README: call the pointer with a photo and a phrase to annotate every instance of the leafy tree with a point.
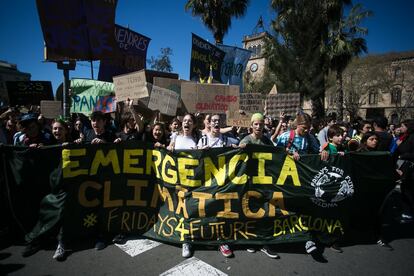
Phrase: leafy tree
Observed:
(297, 54)
(216, 14)
(344, 43)
(162, 62)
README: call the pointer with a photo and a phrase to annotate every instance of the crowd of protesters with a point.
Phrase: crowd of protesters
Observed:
(298, 135)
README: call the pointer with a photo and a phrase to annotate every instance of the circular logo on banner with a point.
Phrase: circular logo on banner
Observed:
(332, 178)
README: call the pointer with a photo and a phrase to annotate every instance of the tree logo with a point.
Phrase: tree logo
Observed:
(331, 186)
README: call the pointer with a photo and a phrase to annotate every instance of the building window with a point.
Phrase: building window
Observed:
(259, 50)
(331, 100)
(397, 72)
(373, 97)
(396, 95)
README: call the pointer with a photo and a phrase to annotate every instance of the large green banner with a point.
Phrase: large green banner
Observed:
(253, 195)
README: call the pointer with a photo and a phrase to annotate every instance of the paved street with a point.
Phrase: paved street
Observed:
(143, 257)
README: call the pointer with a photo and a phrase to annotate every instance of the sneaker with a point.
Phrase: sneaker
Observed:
(225, 250)
(384, 245)
(100, 244)
(59, 253)
(31, 248)
(269, 252)
(336, 248)
(251, 250)
(186, 250)
(310, 247)
(405, 218)
(119, 239)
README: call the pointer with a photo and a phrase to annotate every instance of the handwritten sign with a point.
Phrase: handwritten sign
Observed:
(85, 95)
(164, 100)
(77, 29)
(29, 92)
(204, 55)
(132, 86)
(171, 84)
(130, 55)
(210, 98)
(234, 118)
(252, 102)
(286, 102)
(51, 109)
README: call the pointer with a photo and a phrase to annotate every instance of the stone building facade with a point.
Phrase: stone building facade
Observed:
(376, 85)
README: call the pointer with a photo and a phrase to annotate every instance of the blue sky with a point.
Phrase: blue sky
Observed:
(168, 25)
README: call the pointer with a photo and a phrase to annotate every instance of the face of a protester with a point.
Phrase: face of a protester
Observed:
(257, 127)
(397, 131)
(157, 132)
(78, 125)
(59, 132)
(98, 126)
(188, 125)
(215, 124)
(366, 128)
(32, 129)
(11, 125)
(372, 142)
(337, 139)
(207, 121)
(301, 130)
(174, 126)
(130, 124)
(284, 127)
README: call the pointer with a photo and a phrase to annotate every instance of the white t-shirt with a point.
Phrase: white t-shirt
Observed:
(215, 142)
(183, 142)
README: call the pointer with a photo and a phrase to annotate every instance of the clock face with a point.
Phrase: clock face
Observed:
(254, 67)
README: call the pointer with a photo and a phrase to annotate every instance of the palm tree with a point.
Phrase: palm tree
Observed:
(298, 55)
(217, 14)
(345, 42)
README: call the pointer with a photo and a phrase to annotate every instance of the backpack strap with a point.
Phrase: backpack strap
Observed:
(204, 140)
(291, 137)
(225, 139)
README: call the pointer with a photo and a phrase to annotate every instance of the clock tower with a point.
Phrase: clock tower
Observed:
(255, 43)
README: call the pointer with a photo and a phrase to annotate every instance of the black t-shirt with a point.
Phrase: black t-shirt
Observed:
(134, 135)
(107, 136)
(384, 140)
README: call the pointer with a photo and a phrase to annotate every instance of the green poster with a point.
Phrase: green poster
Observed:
(87, 94)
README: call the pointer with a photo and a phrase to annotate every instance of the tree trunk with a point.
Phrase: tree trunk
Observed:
(340, 95)
(318, 107)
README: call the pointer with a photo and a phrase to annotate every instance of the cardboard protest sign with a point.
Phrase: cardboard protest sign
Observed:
(286, 102)
(77, 29)
(131, 86)
(234, 118)
(210, 98)
(130, 54)
(89, 95)
(51, 109)
(171, 84)
(29, 92)
(164, 100)
(204, 54)
(252, 102)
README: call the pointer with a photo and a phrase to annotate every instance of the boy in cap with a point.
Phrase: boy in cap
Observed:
(31, 135)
